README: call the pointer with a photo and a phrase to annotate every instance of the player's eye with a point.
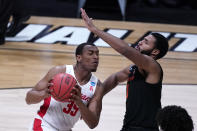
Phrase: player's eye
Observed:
(90, 52)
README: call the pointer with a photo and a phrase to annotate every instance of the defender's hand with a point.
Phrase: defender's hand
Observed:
(88, 21)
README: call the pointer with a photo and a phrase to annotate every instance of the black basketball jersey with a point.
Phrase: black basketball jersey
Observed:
(143, 101)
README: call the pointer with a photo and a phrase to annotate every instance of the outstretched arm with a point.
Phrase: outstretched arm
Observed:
(113, 80)
(142, 61)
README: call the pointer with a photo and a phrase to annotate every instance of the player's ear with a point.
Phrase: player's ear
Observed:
(155, 52)
(78, 57)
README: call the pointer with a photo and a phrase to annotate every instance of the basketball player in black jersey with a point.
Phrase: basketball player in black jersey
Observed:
(144, 78)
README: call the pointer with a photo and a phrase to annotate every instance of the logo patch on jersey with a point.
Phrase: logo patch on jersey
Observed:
(92, 83)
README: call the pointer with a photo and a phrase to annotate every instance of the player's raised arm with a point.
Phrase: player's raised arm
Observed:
(146, 63)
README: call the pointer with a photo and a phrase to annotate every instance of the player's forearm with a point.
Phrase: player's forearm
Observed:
(123, 48)
(116, 43)
(34, 97)
(110, 83)
(90, 118)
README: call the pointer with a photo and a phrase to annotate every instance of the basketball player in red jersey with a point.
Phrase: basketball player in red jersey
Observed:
(144, 78)
(86, 103)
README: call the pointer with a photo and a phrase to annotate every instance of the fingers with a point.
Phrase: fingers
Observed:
(88, 21)
(76, 94)
(84, 14)
(49, 89)
(50, 84)
(83, 11)
(76, 90)
(46, 93)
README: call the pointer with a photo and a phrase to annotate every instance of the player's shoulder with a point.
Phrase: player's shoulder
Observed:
(153, 62)
(58, 69)
(99, 89)
(99, 84)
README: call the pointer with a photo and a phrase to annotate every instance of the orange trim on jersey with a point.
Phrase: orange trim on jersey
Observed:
(127, 91)
(44, 107)
(129, 79)
(37, 125)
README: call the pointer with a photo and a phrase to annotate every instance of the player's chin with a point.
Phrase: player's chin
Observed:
(94, 69)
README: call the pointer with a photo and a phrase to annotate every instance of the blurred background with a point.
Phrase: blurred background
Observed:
(158, 11)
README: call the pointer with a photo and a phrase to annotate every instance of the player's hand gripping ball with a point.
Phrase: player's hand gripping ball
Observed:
(63, 84)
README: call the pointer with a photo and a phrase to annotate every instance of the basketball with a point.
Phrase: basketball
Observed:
(63, 83)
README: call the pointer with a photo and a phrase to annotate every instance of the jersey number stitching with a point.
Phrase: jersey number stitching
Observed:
(68, 109)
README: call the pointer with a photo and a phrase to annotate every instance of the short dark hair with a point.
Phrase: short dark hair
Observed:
(161, 44)
(79, 49)
(174, 118)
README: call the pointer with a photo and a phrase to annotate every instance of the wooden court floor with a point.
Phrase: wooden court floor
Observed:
(16, 115)
(24, 63)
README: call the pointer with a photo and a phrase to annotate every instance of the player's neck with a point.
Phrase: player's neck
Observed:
(83, 76)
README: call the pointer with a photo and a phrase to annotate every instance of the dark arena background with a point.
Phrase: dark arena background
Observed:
(156, 11)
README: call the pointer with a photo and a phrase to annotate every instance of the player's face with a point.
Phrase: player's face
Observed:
(146, 45)
(90, 58)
